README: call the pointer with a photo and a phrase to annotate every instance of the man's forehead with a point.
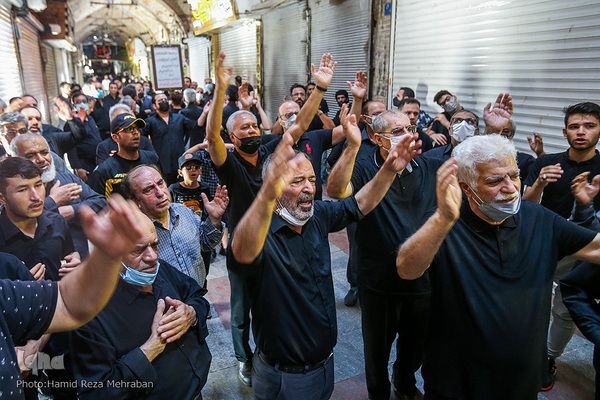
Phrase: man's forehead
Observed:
(288, 106)
(145, 176)
(160, 97)
(410, 107)
(298, 90)
(497, 167)
(396, 119)
(36, 144)
(582, 117)
(463, 115)
(18, 180)
(31, 112)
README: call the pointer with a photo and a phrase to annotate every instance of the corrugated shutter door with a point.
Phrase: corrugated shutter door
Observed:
(545, 53)
(348, 41)
(10, 78)
(51, 78)
(199, 53)
(284, 53)
(33, 71)
(238, 41)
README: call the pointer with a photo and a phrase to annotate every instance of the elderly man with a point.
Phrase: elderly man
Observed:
(48, 307)
(281, 244)
(13, 124)
(241, 171)
(491, 275)
(65, 192)
(182, 233)
(391, 307)
(107, 177)
(150, 338)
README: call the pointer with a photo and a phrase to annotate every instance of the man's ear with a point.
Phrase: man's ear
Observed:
(2, 199)
(179, 172)
(565, 132)
(465, 188)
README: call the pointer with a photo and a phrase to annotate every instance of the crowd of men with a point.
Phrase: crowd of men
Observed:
(444, 220)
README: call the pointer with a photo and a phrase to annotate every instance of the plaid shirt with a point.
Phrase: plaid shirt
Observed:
(187, 236)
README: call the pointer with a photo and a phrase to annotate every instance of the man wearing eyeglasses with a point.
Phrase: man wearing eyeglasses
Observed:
(106, 179)
(13, 124)
(390, 305)
(463, 125)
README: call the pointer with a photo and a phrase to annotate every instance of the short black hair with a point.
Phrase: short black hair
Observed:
(408, 92)
(130, 90)
(77, 94)
(441, 93)
(232, 92)
(468, 111)
(408, 100)
(297, 85)
(587, 108)
(17, 166)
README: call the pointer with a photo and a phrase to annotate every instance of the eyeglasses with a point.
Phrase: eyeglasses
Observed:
(401, 130)
(13, 132)
(289, 115)
(131, 130)
(194, 167)
(470, 121)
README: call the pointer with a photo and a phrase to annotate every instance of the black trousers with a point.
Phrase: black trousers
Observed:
(352, 268)
(385, 317)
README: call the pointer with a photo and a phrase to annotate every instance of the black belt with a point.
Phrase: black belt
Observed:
(292, 368)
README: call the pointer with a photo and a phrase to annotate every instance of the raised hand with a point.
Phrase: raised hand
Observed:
(405, 150)
(536, 144)
(324, 74)
(549, 174)
(281, 168)
(448, 191)
(498, 115)
(245, 97)
(351, 130)
(358, 88)
(223, 73)
(62, 108)
(216, 208)
(583, 190)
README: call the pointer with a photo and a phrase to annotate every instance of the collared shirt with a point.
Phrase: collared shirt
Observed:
(490, 303)
(51, 243)
(557, 196)
(291, 286)
(193, 112)
(408, 203)
(441, 152)
(181, 245)
(84, 154)
(107, 349)
(27, 310)
(169, 139)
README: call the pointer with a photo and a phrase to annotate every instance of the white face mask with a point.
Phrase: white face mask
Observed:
(462, 131)
(289, 218)
(497, 211)
(289, 122)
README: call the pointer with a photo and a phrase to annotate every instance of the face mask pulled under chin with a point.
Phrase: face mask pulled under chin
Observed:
(138, 278)
(462, 131)
(289, 218)
(498, 211)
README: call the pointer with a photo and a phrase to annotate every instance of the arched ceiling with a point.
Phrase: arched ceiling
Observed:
(153, 21)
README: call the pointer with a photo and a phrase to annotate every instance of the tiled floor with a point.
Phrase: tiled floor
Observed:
(575, 379)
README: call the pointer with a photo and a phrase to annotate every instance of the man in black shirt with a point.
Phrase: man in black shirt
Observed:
(194, 112)
(549, 183)
(281, 245)
(107, 177)
(390, 306)
(491, 259)
(440, 127)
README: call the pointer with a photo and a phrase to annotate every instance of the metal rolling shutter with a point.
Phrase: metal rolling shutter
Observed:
(51, 78)
(199, 53)
(10, 78)
(545, 53)
(31, 61)
(285, 33)
(348, 39)
(238, 41)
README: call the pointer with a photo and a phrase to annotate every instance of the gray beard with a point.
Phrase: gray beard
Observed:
(50, 175)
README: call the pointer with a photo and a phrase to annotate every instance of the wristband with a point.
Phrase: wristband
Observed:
(321, 88)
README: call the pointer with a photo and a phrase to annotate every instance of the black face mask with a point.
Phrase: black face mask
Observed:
(250, 144)
(396, 102)
(163, 106)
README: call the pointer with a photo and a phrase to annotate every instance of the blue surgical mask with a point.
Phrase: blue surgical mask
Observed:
(138, 278)
(100, 94)
(208, 87)
(79, 106)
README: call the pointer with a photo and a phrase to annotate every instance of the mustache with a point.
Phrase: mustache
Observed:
(305, 197)
(500, 197)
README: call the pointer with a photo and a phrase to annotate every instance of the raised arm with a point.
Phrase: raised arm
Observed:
(496, 116)
(322, 78)
(216, 145)
(339, 186)
(251, 232)
(369, 196)
(416, 254)
(87, 289)
(358, 88)
(547, 175)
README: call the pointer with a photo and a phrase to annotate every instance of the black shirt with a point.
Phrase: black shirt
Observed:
(169, 140)
(490, 304)
(193, 112)
(107, 146)
(61, 142)
(190, 198)
(107, 177)
(441, 152)
(524, 162)
(84, 154)
(557, 196)
(438, 127)
(291, 286)
(408, 203)
(107, 349)
(51, 243)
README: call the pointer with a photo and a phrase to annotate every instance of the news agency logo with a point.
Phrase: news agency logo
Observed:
(39, 361)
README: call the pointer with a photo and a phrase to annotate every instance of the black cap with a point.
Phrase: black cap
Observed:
(189, 157)
(123, 121)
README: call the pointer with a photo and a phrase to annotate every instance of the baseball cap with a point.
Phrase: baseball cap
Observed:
(123, 121)
(189, 157)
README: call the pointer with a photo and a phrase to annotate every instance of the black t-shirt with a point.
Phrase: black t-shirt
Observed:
(108, 146)
(406, 206)
(524, 162)
(190, 198)
(490, 303)
(107, 177)
(438, 127)
(557, 196)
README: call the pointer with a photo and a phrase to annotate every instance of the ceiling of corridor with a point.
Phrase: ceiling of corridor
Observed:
(153, 21)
